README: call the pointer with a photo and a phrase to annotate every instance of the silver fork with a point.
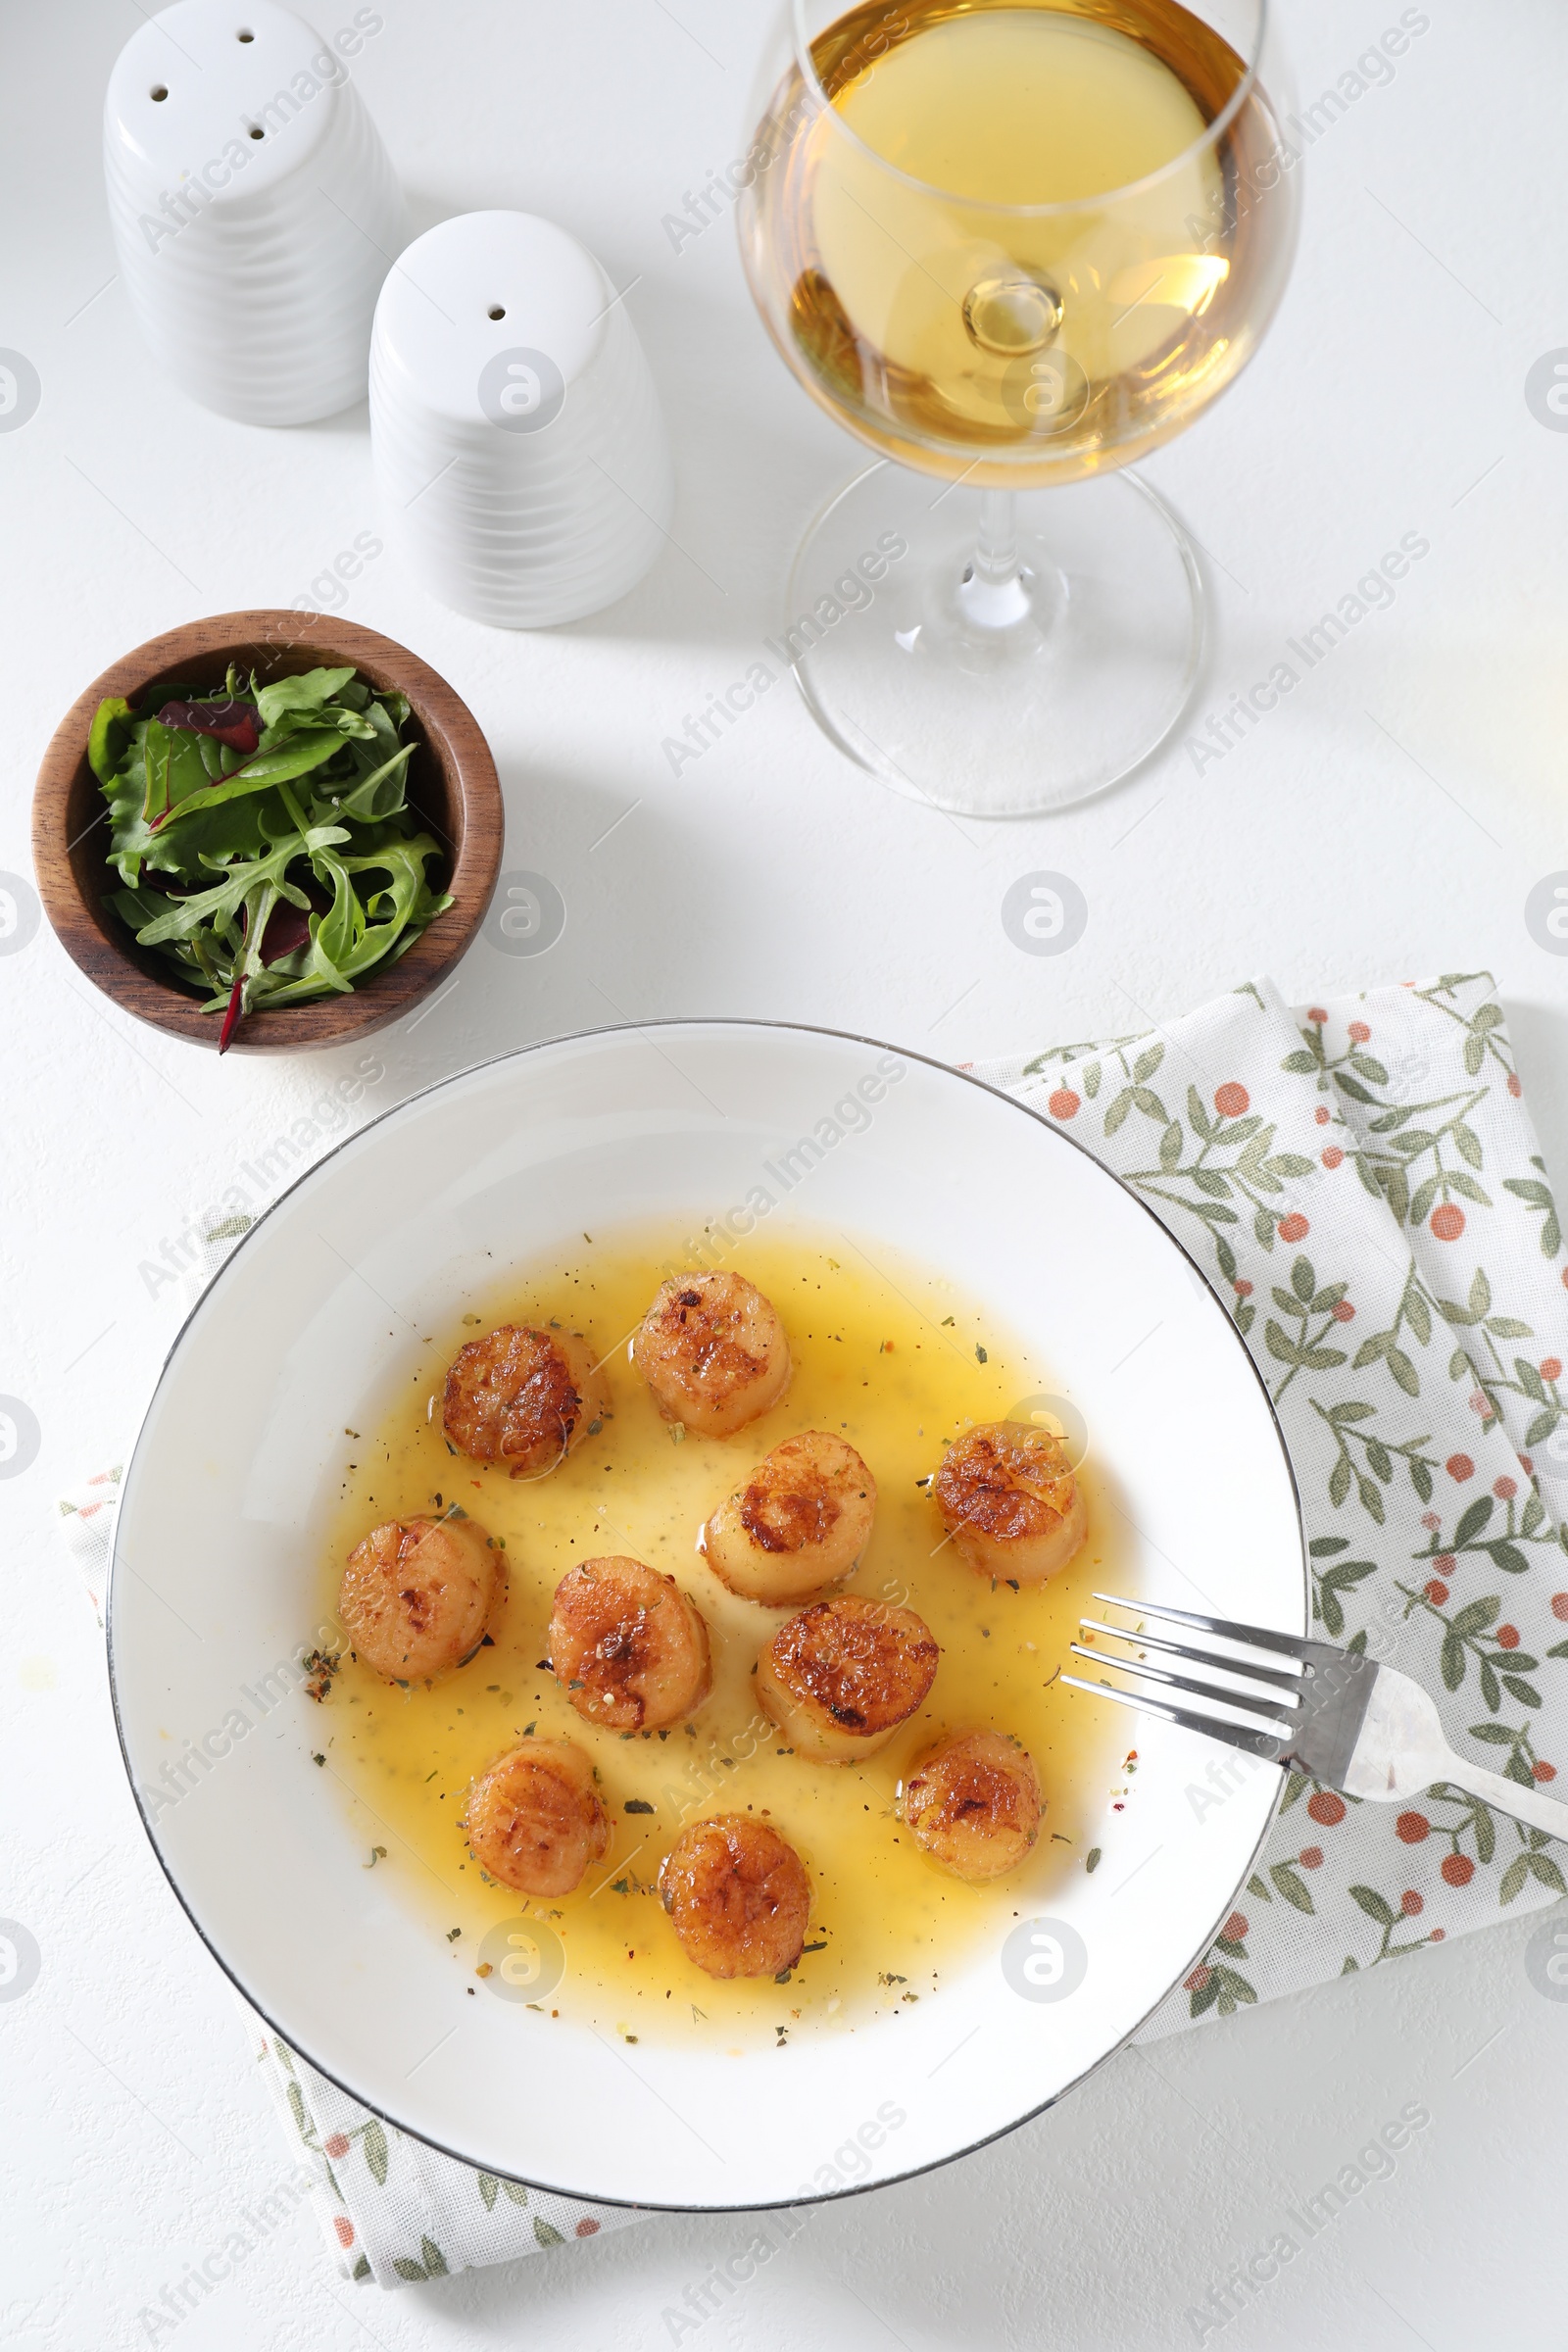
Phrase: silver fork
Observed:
(1337, 1716)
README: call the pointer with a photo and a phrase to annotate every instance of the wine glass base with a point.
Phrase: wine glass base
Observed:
(1006, 700)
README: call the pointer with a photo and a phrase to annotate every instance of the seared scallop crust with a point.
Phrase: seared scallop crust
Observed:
(800, 1521)
(713, 1353)
(1011, 1501)
(974, 1804)
(535, 1821)
(840, 1677)
(738, 1896)
(416, 1594)
(522, 1397)
(627, 1646)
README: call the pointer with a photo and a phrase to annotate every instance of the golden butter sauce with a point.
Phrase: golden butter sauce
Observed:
(890, 1356)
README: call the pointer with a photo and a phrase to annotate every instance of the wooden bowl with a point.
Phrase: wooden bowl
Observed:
(453, 787)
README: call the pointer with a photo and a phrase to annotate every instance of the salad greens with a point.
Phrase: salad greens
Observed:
(263, 835)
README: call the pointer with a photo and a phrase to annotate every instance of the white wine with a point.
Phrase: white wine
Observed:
(1023, 238)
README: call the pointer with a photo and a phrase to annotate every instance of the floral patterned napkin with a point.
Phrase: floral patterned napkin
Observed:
(1362, 1185)
(390, 2207)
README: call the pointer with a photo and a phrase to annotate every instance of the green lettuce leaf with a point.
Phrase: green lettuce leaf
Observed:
(298, 757)
(325, 795)
(105, 739)
(172, 767)
(306, 693)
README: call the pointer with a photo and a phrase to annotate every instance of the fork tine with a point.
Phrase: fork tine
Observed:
(1192, 1656)
(1291, 1645)
(1263, 1707)
(1234, 1735)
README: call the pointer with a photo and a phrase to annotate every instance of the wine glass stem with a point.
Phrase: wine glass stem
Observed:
(993, 594)
(995, 562)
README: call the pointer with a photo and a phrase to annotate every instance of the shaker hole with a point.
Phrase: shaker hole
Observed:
(496, 310)
(159, 90)
(257, 131)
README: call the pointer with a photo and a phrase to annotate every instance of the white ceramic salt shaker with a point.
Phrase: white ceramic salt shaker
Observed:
(255, 209)
(519, 449)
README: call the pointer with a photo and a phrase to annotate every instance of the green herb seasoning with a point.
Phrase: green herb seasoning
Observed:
(264, 836)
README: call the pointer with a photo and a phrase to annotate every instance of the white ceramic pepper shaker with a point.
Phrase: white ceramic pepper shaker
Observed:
(255, 209)
(519, 449)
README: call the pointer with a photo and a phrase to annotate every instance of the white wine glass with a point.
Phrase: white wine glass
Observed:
(1012, 245)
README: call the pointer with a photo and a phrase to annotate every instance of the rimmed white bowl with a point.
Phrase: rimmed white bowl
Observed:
(216, 1576)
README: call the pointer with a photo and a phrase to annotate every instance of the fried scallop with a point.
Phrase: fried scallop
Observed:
(713, 1351)
(974, 1804)
(738, 1896)
(1011, 1502)
(535, 1821)
(801, 1522)
(840, 1677)
(416, 1594)
(628, 1647)
(522, 1397)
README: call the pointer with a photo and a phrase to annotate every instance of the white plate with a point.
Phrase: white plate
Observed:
(215, 1577)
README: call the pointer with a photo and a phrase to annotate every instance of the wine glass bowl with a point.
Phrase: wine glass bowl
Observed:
(1018, 243)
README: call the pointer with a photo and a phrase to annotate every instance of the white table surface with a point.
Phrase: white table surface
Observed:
(1387, 822)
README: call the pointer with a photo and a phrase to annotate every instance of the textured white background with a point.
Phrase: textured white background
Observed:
(1386, 822)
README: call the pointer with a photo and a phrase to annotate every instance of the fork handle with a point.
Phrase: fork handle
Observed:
(1512, 1797)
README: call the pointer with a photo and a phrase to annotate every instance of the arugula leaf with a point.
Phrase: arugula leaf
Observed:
(343, 926)
(221, 903)
(351, 724)
(138, 908)
(306, 693)
(383, 723)
(380, 794)
(403, 902)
